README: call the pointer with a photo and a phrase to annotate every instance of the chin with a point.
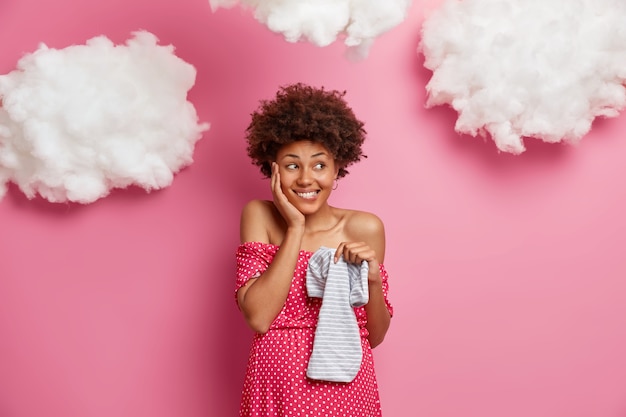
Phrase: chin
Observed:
(306, 209)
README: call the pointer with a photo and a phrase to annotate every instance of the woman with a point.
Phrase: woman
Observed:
(303, 140)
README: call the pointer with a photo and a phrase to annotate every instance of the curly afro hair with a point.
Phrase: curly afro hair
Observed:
(301, 112)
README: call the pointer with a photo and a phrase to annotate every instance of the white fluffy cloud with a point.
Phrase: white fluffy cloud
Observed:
(321, 22)
(527, 68)
(80, 121)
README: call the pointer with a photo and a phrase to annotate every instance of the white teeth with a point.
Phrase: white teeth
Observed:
(307, 195)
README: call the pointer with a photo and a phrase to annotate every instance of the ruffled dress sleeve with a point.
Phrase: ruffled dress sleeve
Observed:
(385, 283)
(253, 258)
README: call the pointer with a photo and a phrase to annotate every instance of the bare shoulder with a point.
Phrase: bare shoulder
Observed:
(256, 207)
(363, 224)
(256, 215)
(366, 227)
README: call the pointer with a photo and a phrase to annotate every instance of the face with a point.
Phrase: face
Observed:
(307, 174)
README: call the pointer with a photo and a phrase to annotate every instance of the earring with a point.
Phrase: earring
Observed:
(336, 185)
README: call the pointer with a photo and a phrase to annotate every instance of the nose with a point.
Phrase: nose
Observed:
(305, 177)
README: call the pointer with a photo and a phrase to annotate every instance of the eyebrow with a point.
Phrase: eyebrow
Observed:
(298, 157)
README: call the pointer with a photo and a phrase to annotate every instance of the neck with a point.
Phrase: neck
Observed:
(322, 219)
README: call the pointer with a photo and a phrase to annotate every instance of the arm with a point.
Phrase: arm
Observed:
(262, 298)
(371, 248)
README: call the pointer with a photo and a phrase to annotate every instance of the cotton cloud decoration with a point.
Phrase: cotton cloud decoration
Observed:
(534, 68)
(321, 22)
(77, 122)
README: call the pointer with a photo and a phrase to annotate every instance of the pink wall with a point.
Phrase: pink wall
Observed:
(507, 272)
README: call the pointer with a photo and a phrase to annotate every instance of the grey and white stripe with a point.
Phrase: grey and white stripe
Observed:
(337, 352)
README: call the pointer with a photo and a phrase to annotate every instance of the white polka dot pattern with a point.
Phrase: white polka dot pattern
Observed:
(276, 383)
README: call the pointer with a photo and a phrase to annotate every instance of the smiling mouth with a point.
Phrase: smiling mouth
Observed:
(309, 195)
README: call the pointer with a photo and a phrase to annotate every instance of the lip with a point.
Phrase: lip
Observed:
(307, 194)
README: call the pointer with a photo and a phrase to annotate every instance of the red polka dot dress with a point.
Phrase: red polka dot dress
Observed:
(276, 384)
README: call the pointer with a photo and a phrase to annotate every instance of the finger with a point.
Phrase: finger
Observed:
(357, 255)
(368, 255)
(273, 177)
(339, 251)
(360, 252)
(348, 251)
(276, 180)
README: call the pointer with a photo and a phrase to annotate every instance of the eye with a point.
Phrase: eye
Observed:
(291, 166)
(320, 165)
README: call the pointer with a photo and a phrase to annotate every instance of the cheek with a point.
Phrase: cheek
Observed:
(327, 180)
